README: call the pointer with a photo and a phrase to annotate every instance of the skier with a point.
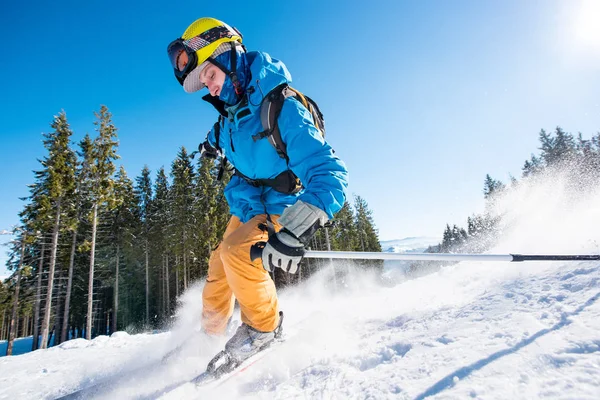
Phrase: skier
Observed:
(280, 199)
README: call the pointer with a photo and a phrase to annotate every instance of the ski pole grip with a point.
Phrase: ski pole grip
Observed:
(256, 250)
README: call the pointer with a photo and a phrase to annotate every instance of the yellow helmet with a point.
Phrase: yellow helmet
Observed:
(199, 41)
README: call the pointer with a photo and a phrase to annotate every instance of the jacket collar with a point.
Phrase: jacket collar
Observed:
(265, 74)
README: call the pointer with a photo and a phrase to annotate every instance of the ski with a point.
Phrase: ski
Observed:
(215, 377)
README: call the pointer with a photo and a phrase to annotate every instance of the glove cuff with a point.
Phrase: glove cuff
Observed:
(302, 220)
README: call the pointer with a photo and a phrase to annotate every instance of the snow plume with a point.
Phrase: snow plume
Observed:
(550, 214)
(189, 311)
(186, 336)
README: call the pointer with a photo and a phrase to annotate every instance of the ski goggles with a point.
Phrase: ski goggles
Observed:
(183, 52)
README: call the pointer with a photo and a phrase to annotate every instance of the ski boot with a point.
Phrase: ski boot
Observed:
(245, 343)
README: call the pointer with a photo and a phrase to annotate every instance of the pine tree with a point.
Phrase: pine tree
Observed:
(558, 148)
(60, 164)
(20, 248)
(532, 166)
(76, 298)
(367, 233)
(161, 235)
(564, 145)
(74, 215)
(183, 213)
(143, 193)
(491, 186)
(122, 229)
(206, 212)
(446, 239)
(222, 213)
(37, 217)
(101, 190)
(344, 234)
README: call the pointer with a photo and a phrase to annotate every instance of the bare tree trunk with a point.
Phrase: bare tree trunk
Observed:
(2, 327)
(65, 325)
(147, 286)
(13, 328)
(90, 309)
(168, 288)
(50, 336)
(32, 319)
(162, 287)
(116, 295)
(38, 298)
(57, 321)
(25, 326)
(176, 276)
(184, 255)
(53, 249)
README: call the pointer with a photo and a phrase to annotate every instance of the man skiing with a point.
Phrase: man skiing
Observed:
(278, 199)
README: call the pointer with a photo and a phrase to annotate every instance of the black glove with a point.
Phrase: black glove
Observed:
(285, 248)
(206, 150)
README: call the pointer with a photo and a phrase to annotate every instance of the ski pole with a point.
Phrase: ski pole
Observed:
(447, 256)
(256, 252)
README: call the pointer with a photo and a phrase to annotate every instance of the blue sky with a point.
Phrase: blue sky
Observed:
(421, 98)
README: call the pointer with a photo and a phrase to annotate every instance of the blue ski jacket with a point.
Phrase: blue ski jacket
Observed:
(323, 175)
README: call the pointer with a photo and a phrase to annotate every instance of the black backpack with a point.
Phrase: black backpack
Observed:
(271, 108)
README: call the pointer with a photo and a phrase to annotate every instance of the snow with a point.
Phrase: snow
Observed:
(470, 330)
(409, 244)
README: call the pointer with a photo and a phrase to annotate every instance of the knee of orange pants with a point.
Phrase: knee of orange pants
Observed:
(249, 281)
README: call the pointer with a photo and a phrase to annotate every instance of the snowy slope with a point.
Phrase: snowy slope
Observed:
(471, 330)
(409, 244)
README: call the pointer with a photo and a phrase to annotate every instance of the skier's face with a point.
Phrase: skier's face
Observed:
(213, 78)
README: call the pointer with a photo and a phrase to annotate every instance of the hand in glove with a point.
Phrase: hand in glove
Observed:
(285, 248)
(206, 150)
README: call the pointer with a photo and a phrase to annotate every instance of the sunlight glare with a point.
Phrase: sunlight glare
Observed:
(587, 24)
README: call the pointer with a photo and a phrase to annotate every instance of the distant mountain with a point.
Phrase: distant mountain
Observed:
(409, 244)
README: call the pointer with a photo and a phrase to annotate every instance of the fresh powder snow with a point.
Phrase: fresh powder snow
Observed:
(482, 330)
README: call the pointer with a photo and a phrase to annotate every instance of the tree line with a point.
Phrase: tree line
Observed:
(575, 157)
(96, 251)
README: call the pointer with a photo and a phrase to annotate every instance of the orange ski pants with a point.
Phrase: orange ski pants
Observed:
(232, 275)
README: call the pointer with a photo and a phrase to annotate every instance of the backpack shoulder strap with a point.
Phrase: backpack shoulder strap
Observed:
(269, 113)
(217, 129)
